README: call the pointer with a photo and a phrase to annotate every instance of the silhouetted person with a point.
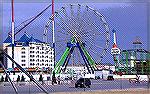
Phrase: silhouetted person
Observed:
(6, 78)
(58, 78)
(2, 79)
(41, 79)
(18, 79)
(22, 78)
(53, 79)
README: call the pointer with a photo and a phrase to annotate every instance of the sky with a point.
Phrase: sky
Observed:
(129, 19)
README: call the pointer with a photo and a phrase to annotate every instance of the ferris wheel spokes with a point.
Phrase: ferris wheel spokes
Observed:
(88, 28)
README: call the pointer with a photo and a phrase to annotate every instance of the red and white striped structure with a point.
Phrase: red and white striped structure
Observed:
(115, 50)
(13, 30)
(13, 23)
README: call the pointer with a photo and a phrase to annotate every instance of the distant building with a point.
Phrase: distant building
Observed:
(29, 53)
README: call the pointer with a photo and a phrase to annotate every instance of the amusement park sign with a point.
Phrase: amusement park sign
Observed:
(115, 51)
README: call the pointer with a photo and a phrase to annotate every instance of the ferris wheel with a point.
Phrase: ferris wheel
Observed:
(81, 34)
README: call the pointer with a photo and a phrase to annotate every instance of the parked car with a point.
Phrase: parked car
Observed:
(110, 78)
(83, 82)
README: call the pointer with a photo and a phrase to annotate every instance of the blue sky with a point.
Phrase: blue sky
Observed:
(128, 19)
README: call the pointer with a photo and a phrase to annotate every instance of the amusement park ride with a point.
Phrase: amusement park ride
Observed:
(115, 51)
(132, 61)
(136, 60)
(82, 29)
(85, 33)
(82, 33)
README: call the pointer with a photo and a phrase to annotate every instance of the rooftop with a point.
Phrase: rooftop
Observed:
(24, 39)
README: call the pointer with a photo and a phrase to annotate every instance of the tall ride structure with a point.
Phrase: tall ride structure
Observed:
(136, 60)
(53, 29)
(115, 51)
(73, 37)
(13, 30)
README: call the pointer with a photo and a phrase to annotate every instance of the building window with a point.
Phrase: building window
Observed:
(37, 60)
(37, 48)
(32, 60)
(23, 64)
(37, 52)
(23, 56)
(31, 55)
(42, 56)
(37, 56)
(31, 47)
(50, 57)
(42, 48)
(23, 48)
(31, 51)
(23, 52)
(19, 43)
(46, 52)
(51, 53)
(23, 60)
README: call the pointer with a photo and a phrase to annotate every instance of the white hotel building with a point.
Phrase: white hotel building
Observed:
(29, 53)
